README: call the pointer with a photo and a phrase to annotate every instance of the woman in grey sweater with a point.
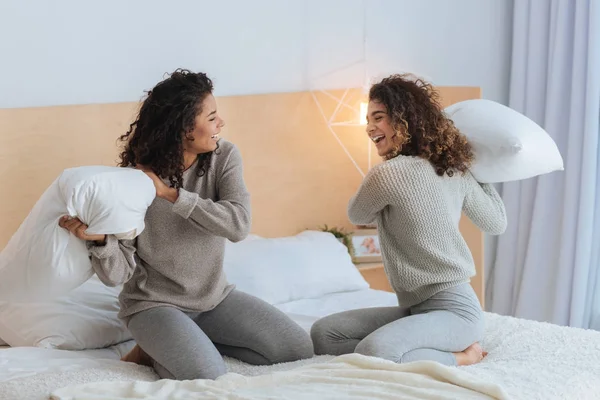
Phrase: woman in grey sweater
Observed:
(176, 300)
(416, 198)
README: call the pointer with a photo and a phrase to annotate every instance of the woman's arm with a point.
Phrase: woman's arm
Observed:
(113, 262)
(228, 217)
(483, 205)
(370, 199)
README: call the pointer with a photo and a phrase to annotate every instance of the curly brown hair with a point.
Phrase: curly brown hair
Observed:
(421, 124)
(155, 139)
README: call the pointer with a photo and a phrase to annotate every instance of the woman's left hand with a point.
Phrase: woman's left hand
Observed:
(78, 228)
(162, 190)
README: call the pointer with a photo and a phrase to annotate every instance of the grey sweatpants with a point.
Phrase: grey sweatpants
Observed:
(448, 322)
(190, 345)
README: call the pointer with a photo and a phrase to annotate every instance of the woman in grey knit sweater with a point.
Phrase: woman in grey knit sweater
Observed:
(176, 300)
(416, 198)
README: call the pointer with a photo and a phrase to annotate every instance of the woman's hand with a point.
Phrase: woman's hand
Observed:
(162, 190)
(78, 228)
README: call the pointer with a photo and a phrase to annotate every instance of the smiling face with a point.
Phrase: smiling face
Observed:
(380, 130)
(405, 117)
(205, 135)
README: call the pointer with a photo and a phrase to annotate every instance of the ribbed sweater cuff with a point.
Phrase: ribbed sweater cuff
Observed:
(101, 252)
(185, 203)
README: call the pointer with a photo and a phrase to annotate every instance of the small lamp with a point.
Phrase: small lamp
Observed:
(363, 113)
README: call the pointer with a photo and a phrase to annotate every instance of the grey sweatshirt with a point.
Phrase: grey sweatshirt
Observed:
(417, 214)
(177, 260)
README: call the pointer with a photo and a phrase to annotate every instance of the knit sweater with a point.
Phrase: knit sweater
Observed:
(417, 213)
(177, 260)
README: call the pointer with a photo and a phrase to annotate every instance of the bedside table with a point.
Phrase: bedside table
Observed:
(375, 275)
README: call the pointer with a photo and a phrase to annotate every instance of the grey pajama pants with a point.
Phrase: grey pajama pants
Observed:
(448, 322)
(190, 345)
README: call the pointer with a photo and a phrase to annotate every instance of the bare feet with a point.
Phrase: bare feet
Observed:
(472, 355)
(138, 356)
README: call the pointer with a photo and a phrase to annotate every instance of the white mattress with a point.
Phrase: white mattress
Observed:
(336, 302)
(530, 360)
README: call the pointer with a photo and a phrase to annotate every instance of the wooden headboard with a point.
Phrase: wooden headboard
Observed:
(300, 175)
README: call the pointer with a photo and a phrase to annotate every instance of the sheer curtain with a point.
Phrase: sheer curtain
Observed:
(547, 263)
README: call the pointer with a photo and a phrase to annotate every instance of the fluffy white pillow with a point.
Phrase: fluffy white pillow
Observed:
(84, 319)
(42, 260)
(508, 146)
(308, 265)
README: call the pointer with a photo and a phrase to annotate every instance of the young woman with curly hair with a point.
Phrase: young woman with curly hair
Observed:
(416, 197)
(176, 300)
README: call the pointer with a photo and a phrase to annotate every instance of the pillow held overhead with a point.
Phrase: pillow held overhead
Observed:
(507, 145)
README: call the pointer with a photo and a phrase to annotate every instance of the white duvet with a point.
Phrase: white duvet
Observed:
(349, 376)
(527, 359)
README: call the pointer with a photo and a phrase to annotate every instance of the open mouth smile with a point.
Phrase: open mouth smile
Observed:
(377, 139)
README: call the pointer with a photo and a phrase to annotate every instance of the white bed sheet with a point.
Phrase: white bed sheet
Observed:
(530, 360)
(336, 302)
(306, 311)
(20, 362)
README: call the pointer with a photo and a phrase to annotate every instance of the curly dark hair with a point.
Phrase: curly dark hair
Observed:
(155, 139)
(420, 122)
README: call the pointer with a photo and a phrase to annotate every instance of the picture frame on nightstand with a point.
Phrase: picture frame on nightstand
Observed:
(366, 246)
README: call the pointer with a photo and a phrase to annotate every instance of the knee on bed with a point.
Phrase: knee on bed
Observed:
(320, 333)
(376, 348)
(197, 374)
(192, 369)
(303, 348)
(290, 345)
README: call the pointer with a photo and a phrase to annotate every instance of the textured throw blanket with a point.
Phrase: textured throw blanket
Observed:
(349, 376)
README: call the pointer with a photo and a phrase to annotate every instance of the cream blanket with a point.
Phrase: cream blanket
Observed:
(348, 376)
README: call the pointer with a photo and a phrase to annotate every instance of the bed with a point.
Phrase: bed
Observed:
(527, 359)
(530, 360)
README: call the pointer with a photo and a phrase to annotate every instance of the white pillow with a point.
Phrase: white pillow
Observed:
(42, 260)
(308, 265)
(508, 146)
(84, 319)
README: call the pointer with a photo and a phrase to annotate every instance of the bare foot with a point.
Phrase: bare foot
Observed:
(138, 356)
(472, 355)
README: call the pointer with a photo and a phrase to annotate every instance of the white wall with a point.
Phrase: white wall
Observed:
(77, 52)
(73, 51)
